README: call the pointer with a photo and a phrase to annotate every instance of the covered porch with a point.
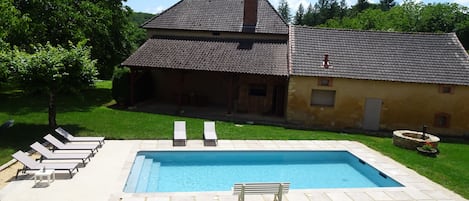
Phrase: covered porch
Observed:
(233, 94)
(242, 76)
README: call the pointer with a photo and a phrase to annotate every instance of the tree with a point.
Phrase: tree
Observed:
(462, 31)
(4, 60)
(298, 19)
(139, 18)
(440, 17)
(324, 10)
(310, 16)
(139, 36)
(361, 5)
(370, 19)
(408, 15)
(105, 25)
(52, 70)
(343, 9)
(284, 10)
(386, 5)
(12, 23)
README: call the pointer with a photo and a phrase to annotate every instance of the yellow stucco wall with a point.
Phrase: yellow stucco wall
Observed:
(404, 106)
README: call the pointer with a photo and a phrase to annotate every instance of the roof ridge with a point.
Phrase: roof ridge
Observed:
(151, 19)
(392, 56)
(276, 12)
(461, 45)
(201, 38)
(372, 31)
(216, 15)
(209, 55)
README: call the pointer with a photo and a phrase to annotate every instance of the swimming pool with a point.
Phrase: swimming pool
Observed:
(196, 171)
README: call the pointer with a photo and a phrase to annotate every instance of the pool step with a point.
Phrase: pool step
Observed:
(132, 180)
(144, 175)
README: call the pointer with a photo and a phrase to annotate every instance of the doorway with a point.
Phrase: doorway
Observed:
(372, 115)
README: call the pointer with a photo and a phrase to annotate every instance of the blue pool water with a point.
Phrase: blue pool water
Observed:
(193, 171)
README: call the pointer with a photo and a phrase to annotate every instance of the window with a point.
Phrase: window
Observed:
(442, 120)
(323, 98)
(257, 90)
(326, 82)
(446, 89)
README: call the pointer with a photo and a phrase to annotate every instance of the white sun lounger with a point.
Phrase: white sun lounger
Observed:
(278, 189)
(72, 138)
(210, 135)
(179, 138)
(47, 154)
(31, 164)
(61, 146)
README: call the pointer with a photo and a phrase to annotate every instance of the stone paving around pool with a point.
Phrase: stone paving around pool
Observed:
(103, 178)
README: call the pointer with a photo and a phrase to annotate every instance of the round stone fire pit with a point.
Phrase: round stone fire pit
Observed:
(412, 139)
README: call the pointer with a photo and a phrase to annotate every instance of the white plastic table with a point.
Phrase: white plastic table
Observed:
(41, 174)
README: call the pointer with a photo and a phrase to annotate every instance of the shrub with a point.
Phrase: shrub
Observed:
(121, 85)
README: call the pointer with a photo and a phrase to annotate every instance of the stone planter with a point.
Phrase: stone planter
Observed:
(412, 139)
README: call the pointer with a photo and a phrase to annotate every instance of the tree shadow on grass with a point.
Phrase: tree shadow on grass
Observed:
(19, 103)
(73, 129)
(21, 135)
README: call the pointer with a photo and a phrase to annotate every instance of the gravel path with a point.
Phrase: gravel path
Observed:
(8, 174)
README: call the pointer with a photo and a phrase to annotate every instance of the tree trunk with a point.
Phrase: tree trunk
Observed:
(52, 111)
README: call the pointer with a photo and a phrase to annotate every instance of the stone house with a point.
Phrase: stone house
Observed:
(241, 56)
(349, 79)
(230, 54)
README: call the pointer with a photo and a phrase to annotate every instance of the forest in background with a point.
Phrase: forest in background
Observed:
(112, 31)
(387, 15)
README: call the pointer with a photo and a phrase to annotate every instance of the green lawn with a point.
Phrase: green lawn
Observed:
(89, 116)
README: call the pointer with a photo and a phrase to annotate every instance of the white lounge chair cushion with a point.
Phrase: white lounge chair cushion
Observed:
(180, 130)
(72, 138)
(209, 130)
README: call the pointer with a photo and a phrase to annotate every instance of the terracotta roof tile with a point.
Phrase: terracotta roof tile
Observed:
(217, 15)
(390, 56)
(267, 57)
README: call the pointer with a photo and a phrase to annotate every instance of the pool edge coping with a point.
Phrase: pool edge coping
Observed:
(410, 179)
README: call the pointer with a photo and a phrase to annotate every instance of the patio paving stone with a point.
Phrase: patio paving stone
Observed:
(104, 177)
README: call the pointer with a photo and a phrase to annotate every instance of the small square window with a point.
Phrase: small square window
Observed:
(446, 89)
(442, 120)
(326, 82)
(257, 90)
(323, 98)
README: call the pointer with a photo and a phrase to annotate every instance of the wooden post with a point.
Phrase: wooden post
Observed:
(230, 94)
(133, 74)
(181, 90)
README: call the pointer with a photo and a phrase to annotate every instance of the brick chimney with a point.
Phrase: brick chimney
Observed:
(250, 15)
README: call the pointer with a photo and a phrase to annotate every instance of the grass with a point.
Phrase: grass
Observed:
(89, 115)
